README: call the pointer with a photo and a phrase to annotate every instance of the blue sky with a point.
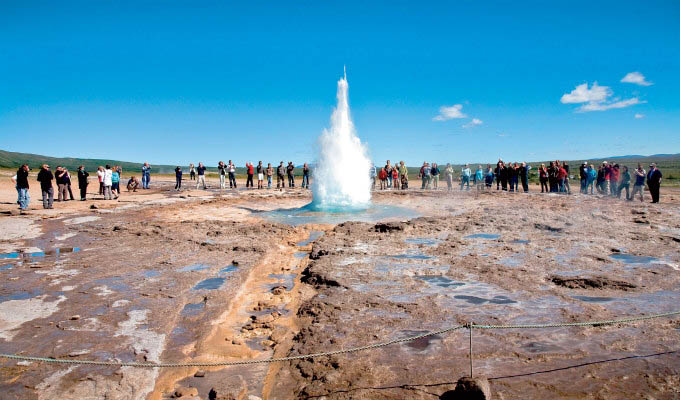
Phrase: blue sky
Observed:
(179, 82)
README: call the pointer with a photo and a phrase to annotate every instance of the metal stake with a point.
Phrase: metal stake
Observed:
(470, 327)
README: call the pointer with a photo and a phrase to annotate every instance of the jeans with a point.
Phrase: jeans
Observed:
(463, 181)
(107, 192)
(514, 184)
(178, 182)
(24, 198)
(525, 184)
(269, 181)
(566, 185)
(389, 181)
(435, 181)
(291, 180)
(48, 198)
(83, 192)
(232, 180)
(146, 179)
(612, 187)
(200, 181)
(590, 184)
(620, 189)
(638, 188)
(583, 186)
(222, 181)
(563, 188)
(544, 185)
(426, 183)
(305, 181)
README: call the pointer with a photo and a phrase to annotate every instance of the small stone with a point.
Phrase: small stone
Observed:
(234, 263)
(237, 342)
(265, 319)
(78, 353)
(75, 317)
(199, 374)
(267, 343)
(185, 392)
(93, 207)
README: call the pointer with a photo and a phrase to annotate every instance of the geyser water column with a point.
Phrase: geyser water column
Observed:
(341, 174)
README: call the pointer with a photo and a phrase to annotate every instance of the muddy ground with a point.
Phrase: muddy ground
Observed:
(204, 276)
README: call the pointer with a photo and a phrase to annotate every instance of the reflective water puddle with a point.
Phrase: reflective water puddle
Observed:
(425, 241)
(490, 236)
(633, 259)
(313, 235)
(209, 284)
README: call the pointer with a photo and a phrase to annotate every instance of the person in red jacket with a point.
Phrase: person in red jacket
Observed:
(382, 175)
(561, 178)
(251, 172)
(614, 180)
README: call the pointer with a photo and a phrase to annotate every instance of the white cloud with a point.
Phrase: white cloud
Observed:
(596, 98)
(447, 113)
(639, 116)
(473, 123)
(592, 106)
(636, 78)
(582, 94)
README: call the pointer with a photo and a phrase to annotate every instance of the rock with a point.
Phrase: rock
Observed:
(548, 228)
(234, 263)
(265, 319)
(199, 374)
(469, 389)
(278, 290)
(78, 353)
(75, 317)
(317, 252)
(185, 392)
(237, 342)
(386, 227)
(93, 207)
(267, 343)
(117, 228)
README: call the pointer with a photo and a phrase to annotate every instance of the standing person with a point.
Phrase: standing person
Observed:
(108, 182)
(291, 174)
(583, 174)
(22, 186)
(115, 183)
(524, 176)
(599, 182)
(45, 178)
(514, 177)
(280, 176)
(222, 171)
(388, 170)
(552, 176)
(607, 177)
(250, 171)
(178, 178)
(543, 178)
(100, 177)
(448, 174)
(201, 176)
(565, 166)
(435, 171)
(614, 180)
(395, 178)
(305, 176)
(639, 185)
(499, 170)
(505, 176)
(260, 175)
(372, 173)
(624, 183)
(403, 173)
(231, 167)
(270, 173)
(479, 178)
(590, 178)
(561, 178)
(14, 181)
(421, 175)
(488, 176)
(68, 184)
(83, 182)
(146, 175)
(60, 178)
(465, 177)
(654, 182)
(192, 172)
(382, 175)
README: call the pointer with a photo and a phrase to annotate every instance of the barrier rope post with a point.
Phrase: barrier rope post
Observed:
(470, 329)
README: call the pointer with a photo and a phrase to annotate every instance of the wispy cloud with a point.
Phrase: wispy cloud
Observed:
(473, 123)
(636, 78)
(639, 116)
(596, 98)
(500, 134)
(450, 112)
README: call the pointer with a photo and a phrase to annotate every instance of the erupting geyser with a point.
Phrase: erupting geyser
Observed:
(341, 174)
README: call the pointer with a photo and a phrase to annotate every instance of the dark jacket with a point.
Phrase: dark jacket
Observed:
(45, 178)
(654, 177)
(82, 178)
(22, 179)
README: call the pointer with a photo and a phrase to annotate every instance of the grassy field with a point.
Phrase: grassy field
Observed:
(669, 164)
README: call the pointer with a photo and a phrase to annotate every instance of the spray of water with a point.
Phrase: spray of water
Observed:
(341, 175)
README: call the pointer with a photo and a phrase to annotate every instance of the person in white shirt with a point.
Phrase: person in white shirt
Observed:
(232, 174)
(14, 181)
(107, 183)
(100, 176)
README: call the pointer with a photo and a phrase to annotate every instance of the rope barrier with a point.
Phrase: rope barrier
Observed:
(469, 326)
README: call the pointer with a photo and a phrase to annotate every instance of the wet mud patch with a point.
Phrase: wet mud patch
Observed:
(591, 283)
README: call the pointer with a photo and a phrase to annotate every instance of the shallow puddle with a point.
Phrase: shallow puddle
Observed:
(313, 235)
(151, 273)
(413, 256)
(633, 259)
(480, 300)
(194, 267)
(309, 215)
(7, 266)
(420, 344)
(594, 299)
(541, 347)
(46, 253)
(490, 236)
(300, 255)
(440, 281)
(193, 309)
(209, 284)
(520, 241)
(228, 270)
(285, 280)
(425, 241)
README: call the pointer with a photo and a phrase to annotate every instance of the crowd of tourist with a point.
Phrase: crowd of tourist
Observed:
(608, 179)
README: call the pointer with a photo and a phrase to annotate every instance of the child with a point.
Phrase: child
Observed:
(395, 177)
(383, 178)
